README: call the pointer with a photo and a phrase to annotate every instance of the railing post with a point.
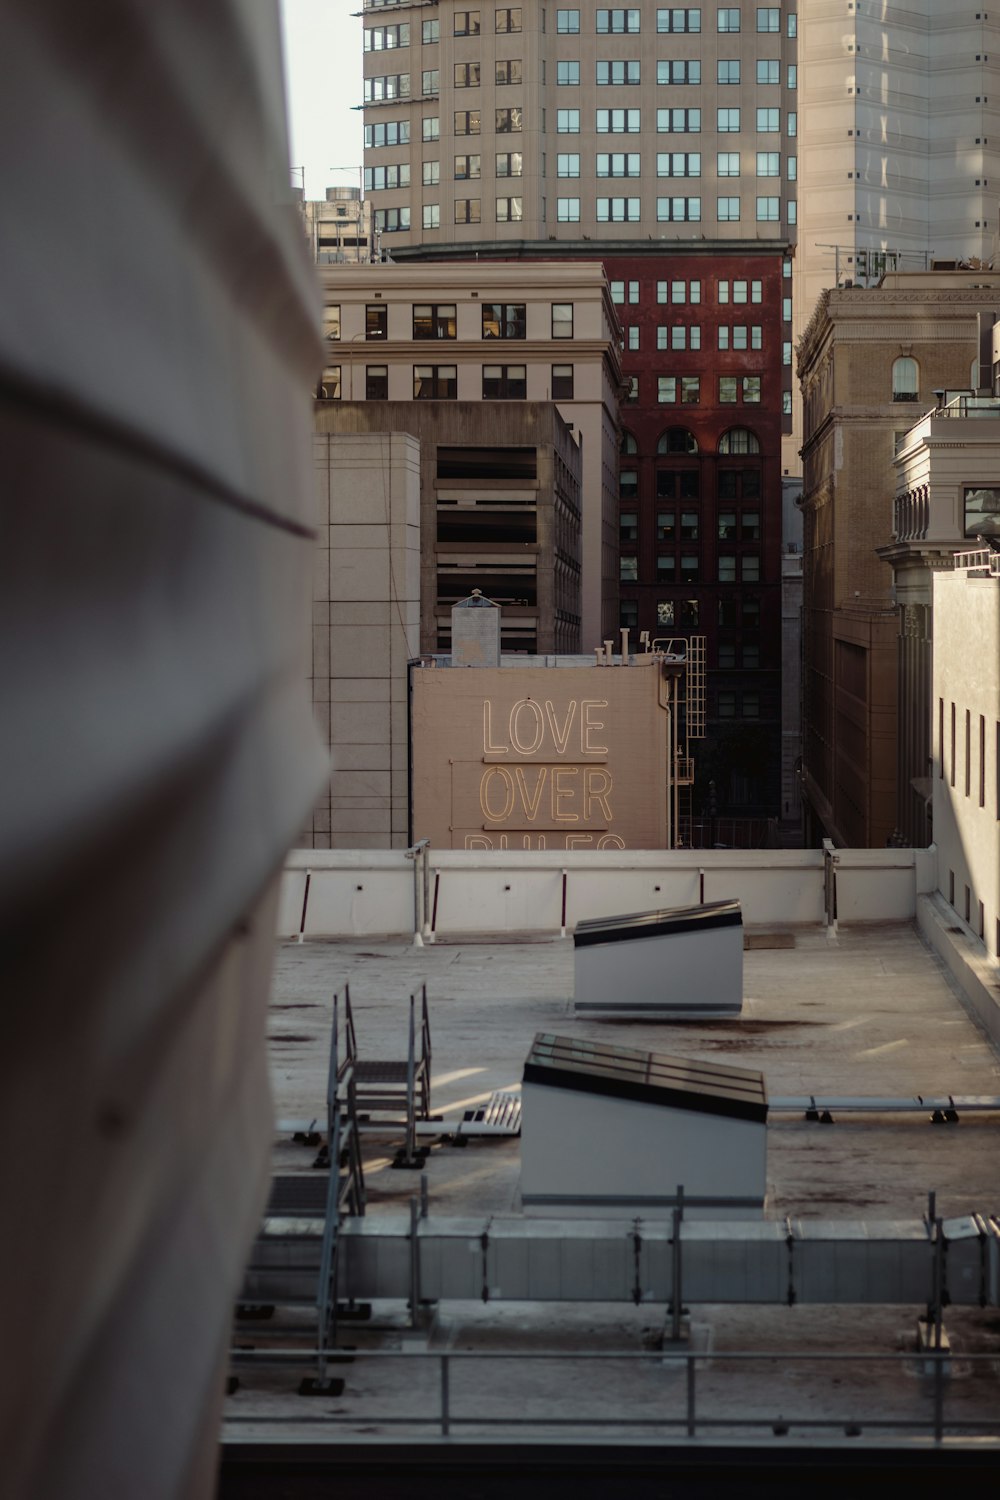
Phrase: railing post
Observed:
(445, 1414)
(678, 1217)
(938, 1395)
(690, 1394)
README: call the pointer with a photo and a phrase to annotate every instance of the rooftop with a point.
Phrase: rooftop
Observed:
(863, 1011)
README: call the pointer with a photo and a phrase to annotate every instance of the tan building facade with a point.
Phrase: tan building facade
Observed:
(966, 766)
(542, 757)
(946, 495)
(537, 122)
(497, 335)
(870, 359)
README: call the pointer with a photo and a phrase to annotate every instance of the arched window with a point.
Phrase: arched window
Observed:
(629, 444)
(677, 440)
(904, 379)
(738, 440)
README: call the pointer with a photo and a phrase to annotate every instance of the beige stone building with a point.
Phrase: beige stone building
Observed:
(498, 334)
(339, 226)
(869, 361)
(947, 494)
(966, 765)
(420, 503)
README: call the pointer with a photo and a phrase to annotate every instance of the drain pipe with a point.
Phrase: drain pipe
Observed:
(418, 854)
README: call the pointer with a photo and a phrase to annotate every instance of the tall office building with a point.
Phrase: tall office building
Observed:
(659, 140)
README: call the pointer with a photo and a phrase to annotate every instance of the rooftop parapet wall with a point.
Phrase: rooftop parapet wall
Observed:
(352, 893)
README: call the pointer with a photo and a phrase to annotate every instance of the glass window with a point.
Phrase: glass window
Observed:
(727, 568)
(792, 76)
(568, 121)
(768, 164)
(982, 510)
(750, 568)
(689, 568)
(666, 526)
(568, 74)
(430, 82)
(435, 382)
(727, 210)
(793, 24)
(666, 567)
(628, 614)
(562, 320)
(568, 210)
(618, 210)
(430, 128)
(331, 321)
(727, 390)
(507, 70)
(507, 121)
(728, 164)
(633, 338)
(391, 220)
(689, 525)
(430, 32)
(617, 20)
(665, 613)
(768, 120)
(510, 210)
(568, 164)
(750, 522)
(729, 18)
(562, 382)
(467, 75)
(792, 123)
(678, 71)
(905, 383)
(678, 210)
(434, 320)
(568, 22)
(618, 71)
(727, 704)
(508, 19)
(377, 178)
(468, 210)
(728, 70)
(618, 121)
(467, 167)
(329, 388)
(728, 120)
(509, 163)
(738, 440)
(768, 70)
(751, 388)
(768, 18)
(467, 23)
(680, 120)
(504, 383)
(628, 526)
(676, 19)
(431, 173)
(504, 320)
(628, 484)
(432, 216)
(727, 526)
(677, 440)
(618, 164)
(467, 122)
(628, 569)
(678, 164)
(376, 382)
(376, 321)
(767, 210)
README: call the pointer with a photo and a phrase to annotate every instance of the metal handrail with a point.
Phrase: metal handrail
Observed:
(935, 1362)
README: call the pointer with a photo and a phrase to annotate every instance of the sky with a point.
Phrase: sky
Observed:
(322, 41)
